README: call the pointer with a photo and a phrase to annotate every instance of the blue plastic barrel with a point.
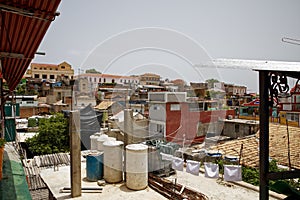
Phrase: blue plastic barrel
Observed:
(94, 166)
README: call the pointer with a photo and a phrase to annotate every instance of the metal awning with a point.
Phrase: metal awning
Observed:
(23, 24)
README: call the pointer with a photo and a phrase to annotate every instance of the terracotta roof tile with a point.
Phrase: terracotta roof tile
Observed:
(278, 147)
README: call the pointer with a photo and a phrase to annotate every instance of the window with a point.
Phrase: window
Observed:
(200, 129)
(63, 67)
(155, 107)
(175, 107)
(104, 80)
(292, 117)
(95, 80)
(44, 76)
(121, 80)
(35, 68)
(160, 128)
(52, 76)
(30, 102)
(113, 80)
(36, 76)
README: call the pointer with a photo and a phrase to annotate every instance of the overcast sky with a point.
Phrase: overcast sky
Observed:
(168, 37)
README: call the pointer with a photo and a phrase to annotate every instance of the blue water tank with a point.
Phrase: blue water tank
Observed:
(94, 166)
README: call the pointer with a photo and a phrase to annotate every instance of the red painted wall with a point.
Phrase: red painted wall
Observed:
(185, 122)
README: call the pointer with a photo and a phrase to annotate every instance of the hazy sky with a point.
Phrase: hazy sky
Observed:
(168, 37)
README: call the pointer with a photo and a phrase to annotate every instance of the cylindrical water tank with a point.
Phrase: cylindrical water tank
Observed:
(94, 166)
(136, 166)
(93, 139)
(100, 140)
(113, 161)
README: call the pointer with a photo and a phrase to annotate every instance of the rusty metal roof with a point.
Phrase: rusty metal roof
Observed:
(23, 24)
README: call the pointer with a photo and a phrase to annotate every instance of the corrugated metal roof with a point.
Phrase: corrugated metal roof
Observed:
(269, 65)
(23, 25)
(104, 105)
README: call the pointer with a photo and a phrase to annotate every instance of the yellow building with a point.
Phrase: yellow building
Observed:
(149, 79)
(50, 71)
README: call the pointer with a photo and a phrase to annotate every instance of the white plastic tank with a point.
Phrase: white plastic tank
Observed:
(136, 166)
(93, 139)
(100, 140)
(113, 161)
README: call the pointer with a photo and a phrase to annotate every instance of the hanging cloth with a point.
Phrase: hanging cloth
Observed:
(232, 172)
(177, 164)
(192, 167)
(166, 157)
(211, 170)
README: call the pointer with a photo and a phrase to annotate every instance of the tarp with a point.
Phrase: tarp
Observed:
(90, 121)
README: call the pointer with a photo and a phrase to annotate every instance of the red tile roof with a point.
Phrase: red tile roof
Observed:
(278, 146)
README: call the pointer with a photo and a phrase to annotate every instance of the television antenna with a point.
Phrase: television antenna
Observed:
(291, 40)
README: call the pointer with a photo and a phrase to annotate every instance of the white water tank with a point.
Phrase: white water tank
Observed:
(103, 138)
(113, 161)
(100, 140)
(136, 166)
(93, 139)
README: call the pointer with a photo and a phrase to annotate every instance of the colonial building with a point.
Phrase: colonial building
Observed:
(149, 79)
(289, 107)
(95, 79)
(50, 72)
(232, 89)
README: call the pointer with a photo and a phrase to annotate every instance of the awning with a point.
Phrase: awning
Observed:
(23, 24)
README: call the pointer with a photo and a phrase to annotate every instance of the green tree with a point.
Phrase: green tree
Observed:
(52, 137)
(211, 82)
(93, 71)
(21, 89)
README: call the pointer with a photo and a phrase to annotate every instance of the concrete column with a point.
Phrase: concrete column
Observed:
(128, 131)
(128, 126)
(75, 153)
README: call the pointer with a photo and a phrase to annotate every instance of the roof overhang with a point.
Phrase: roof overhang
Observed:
(23, 25)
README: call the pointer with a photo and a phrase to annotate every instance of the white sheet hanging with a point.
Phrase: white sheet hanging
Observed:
(167, 157)
(192, 167)
(177, 164)
(232, 172)
(211, 170)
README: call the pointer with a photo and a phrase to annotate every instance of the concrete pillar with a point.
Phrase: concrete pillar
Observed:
(75, 153)
(128, 132)
(128, 126)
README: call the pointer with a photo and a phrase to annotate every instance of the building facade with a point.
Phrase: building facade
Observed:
(149, 79)
(50, 72)
(177, 120)
(232, 89)
(95, 79)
